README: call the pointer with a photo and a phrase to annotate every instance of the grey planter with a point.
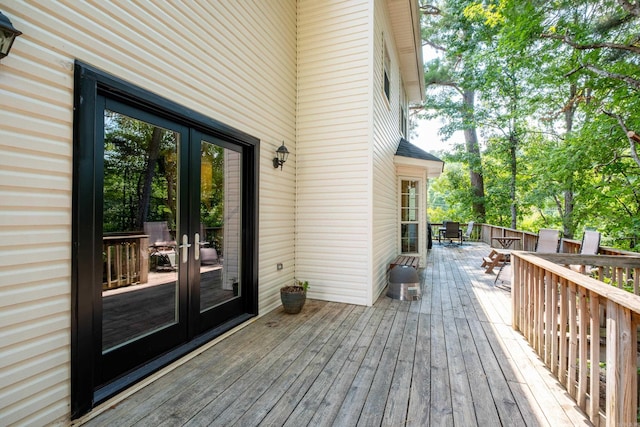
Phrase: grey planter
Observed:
(293, 298)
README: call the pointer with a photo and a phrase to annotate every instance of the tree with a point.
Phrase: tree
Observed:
(450, 88)
(556, 90)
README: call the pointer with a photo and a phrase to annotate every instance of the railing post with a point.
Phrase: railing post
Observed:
(621, 373)
(594, 356)
(515, 297)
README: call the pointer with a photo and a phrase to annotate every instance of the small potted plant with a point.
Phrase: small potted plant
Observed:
(294, 296)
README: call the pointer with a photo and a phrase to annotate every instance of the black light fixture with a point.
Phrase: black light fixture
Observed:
(281, 156)
(7, 35)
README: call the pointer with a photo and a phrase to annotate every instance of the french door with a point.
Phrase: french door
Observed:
(164, 212)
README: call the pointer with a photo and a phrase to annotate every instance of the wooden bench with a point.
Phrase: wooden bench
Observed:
(497, 258)
(412, 261)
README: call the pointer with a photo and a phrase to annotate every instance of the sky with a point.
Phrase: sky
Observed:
(427, 131)
(426, 137)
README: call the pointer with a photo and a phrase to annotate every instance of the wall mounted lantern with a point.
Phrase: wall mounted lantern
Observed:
(7, 35)
(281, 156)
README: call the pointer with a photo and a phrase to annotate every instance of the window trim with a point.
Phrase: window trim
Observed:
(417, 221)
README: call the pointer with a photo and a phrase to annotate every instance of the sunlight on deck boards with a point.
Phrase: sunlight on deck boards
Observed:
(448, 359)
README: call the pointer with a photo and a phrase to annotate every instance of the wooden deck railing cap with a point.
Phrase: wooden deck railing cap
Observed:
(619, 296)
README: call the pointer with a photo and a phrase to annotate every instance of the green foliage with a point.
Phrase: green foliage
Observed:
(449, 195)
(304, 285)
(137, 189)
(141, 177)
(557, 86)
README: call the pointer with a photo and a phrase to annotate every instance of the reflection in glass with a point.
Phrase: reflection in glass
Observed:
(219, 224)
(409, 238)
(139, 290)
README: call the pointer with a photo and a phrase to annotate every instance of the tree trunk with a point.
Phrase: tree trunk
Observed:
(475, 160)
(567, 212)
(567, 219)
(513, 144)
(145, 196)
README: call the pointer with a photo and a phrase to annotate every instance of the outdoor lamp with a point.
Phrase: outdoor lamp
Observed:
(281, 156)
(7, 35)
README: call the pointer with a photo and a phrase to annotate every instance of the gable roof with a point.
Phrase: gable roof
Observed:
(409, 155)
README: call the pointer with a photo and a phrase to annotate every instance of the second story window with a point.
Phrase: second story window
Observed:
(403, 112)
(387, 73)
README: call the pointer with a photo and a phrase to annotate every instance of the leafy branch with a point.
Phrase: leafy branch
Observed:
(567, 40)
(632, 137)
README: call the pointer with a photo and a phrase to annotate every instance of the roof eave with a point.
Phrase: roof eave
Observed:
(409, 44)
(434, 168)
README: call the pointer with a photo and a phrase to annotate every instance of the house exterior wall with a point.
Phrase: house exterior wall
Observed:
(333, 223)
(347, 134)
(386, 134)
(304, 72)
(212, 64)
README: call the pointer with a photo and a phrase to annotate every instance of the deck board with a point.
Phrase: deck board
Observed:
(448, 359)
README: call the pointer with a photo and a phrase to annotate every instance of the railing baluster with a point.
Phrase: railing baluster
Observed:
(530, 301)
(563, 330)
(548, 313)
(515, 295)
(555, 333)
(594, 385)
(619, 277)
(573, 340)
(540, 312)
(528, 295)
(109, 265)
(583, 320)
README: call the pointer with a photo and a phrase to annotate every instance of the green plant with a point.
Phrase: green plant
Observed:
(304, 285)
(297, 286)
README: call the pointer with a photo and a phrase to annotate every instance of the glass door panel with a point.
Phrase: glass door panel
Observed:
(140, 225)
(220, 224)
(409, 216)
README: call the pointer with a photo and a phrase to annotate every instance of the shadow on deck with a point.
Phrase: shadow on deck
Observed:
(449, 359)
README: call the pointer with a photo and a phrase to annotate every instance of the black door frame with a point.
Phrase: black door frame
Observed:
(90, 84)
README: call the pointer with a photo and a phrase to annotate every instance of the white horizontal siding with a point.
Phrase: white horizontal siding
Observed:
(386, 136)
(232, 61)
(333, 151)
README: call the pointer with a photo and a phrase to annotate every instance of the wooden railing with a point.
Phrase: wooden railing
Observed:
(528, 240)
(475, 234)
(126, 260)
(562, 313)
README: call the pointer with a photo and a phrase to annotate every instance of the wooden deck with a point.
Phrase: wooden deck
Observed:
(449, 359)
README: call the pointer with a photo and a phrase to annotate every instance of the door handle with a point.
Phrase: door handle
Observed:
(185, 246)
(197, 247)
